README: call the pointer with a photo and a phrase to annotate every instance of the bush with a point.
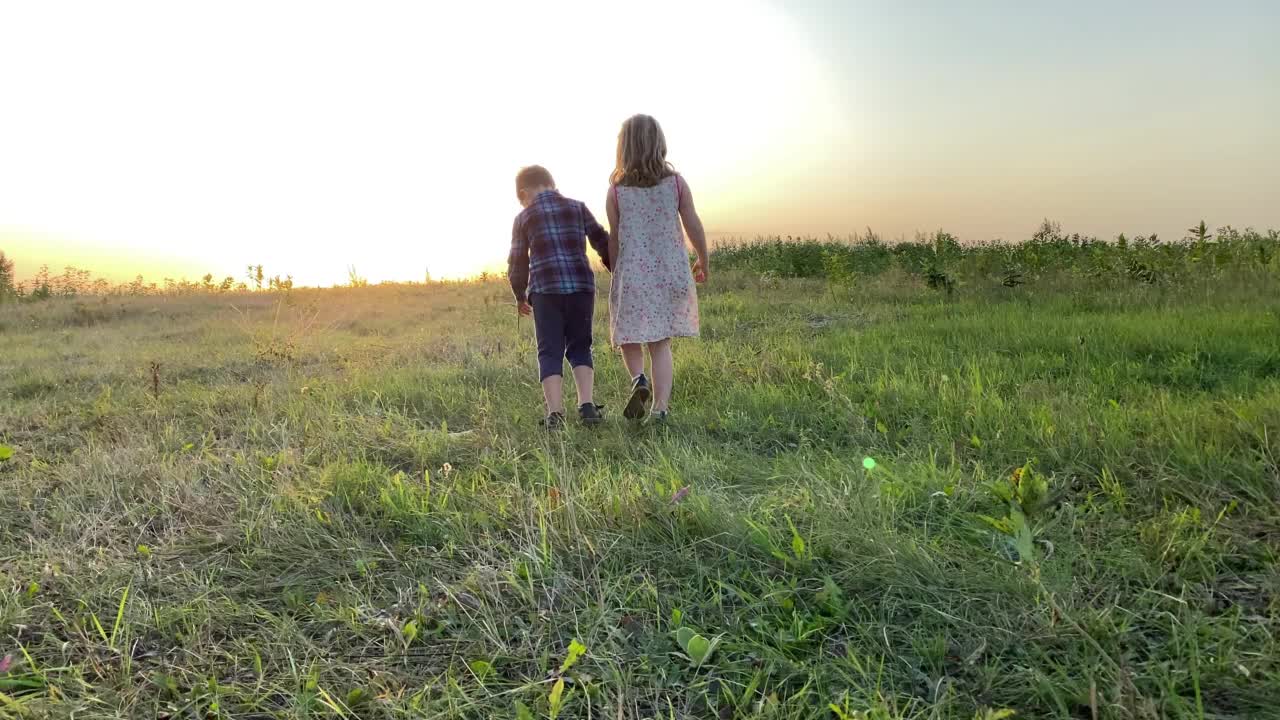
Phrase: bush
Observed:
(941, 259)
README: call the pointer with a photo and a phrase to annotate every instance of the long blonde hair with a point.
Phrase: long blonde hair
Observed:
(642, 154)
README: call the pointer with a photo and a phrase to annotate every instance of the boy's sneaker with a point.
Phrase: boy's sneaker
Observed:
(590, 414)
(641, 394)
(554, 421)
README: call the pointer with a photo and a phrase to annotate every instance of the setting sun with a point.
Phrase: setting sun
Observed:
(172, 139)
(313, 137)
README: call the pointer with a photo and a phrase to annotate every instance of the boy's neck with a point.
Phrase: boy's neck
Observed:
(528, 195)
(536, 191)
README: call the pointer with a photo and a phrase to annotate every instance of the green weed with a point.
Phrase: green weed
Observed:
(338, 503)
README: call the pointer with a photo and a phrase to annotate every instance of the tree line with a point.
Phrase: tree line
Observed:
(73, 282)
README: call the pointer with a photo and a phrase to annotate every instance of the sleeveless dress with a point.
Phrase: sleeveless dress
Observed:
(653, 296)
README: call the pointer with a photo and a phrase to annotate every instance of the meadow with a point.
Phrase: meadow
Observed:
(916, 480)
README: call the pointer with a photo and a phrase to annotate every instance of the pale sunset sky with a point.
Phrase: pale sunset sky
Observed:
(175, 138)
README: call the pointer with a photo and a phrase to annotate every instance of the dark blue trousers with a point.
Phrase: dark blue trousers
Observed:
(563, 327)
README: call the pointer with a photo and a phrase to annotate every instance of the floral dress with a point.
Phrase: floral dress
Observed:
(653, 296)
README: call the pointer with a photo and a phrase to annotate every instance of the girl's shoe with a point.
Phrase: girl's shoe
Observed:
(658, 418)
(641, 394)
(554, 421)
(590, 414)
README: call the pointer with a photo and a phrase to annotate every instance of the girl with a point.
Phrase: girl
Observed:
(653, 297)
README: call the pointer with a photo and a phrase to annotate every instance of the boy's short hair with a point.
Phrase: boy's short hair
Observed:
(533, 176)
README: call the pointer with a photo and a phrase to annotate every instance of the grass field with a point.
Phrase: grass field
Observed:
(338, 503)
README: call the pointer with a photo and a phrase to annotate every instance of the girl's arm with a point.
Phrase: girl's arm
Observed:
(611, 209)
(693, 228)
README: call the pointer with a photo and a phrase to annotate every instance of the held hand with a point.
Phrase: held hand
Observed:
(699, 271)
(524, 308)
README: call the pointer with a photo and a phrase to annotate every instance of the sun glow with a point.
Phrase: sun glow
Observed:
(310, 137)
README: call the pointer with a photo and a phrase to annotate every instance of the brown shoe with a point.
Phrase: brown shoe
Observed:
(641, 394)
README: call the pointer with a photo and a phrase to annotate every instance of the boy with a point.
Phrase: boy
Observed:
(552, 280)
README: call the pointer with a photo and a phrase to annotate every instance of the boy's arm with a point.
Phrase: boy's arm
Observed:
(518, 262)
(598, 237)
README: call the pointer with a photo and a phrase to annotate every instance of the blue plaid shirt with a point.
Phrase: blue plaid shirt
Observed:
(548, 250)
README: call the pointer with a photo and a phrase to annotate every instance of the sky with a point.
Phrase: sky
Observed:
(171, 138)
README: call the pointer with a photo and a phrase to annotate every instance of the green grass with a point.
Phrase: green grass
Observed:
(338, 503)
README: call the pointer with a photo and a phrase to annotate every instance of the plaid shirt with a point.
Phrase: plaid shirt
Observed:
(548, 253)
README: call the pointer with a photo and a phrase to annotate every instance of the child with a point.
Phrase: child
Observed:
(653, 297)
(553, 281)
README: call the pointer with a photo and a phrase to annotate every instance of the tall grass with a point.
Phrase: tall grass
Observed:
(1057, 497)
(1049, 253)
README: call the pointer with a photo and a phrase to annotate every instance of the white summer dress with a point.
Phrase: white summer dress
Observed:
(653, 296)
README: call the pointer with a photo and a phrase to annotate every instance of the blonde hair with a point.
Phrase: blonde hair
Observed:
(533, 176)
(642, 154)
